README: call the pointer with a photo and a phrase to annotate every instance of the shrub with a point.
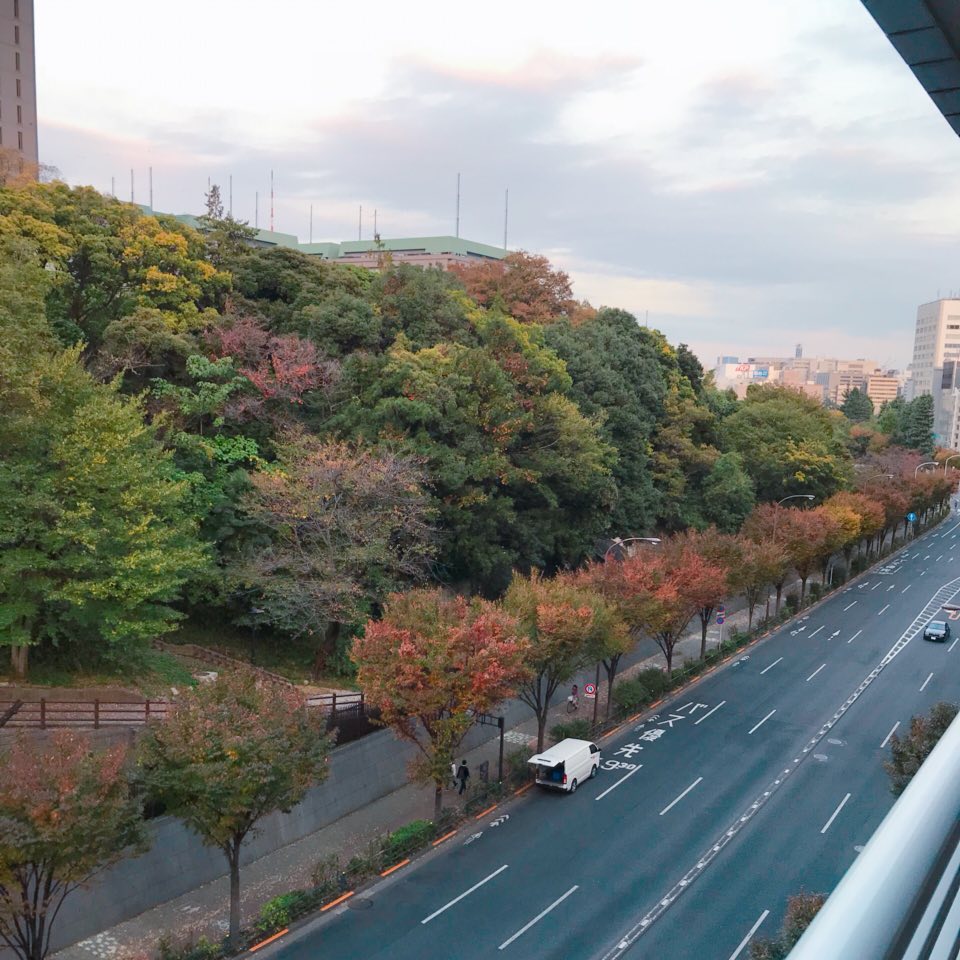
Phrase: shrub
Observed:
(516, 769)
(907, 753)
(792, 602)
(816, 591)
(630, 694)
(578, 729)
(280, 911)
(326, 872)
(201, 949)
(408, 839)
(655, 680)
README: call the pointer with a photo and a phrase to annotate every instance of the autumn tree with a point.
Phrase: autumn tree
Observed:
(908, 753)
(869, 514)
(66, 813)
(228, 754)
(760, 565)
(808, 536)
(558, 621)
(344, 525)
(664, 591)
(801, 909)
(523, 285)
(432, 662)
(722, 553)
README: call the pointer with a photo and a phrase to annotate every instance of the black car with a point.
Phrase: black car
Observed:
(938, 630)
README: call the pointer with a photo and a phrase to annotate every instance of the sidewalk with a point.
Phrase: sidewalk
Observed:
(204, 911)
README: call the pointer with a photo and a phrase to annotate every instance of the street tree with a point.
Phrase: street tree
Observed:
(808, 536)
(908, 753)
(728, 494)
(228, 754)
(431, 663)
(558, 621)
(344, 525)
(66, 813)
(759, 567)
(763, 527)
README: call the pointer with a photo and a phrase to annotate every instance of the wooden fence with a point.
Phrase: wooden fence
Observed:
(348, 712)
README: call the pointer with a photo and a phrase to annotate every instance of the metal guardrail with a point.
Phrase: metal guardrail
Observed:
(898, 901)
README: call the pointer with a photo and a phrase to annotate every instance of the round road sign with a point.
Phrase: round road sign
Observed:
(720, 619)
(911, 517)
(589, 689)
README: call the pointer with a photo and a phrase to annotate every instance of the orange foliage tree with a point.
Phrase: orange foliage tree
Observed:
(430, 663)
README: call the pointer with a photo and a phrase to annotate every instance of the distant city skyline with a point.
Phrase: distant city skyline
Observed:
(747, 188)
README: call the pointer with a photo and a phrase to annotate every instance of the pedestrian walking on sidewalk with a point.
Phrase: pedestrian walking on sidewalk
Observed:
(453, 775)
(463, 775)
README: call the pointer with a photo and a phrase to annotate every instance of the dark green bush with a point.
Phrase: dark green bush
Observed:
(578, 729)
(281, 911)
(631, 695)
(408, 839)
(655, 680)
(516, 770)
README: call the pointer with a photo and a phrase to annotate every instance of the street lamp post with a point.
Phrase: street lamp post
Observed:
(886, 476)
(795, 496)
(618, 542)
(920, 466)
(953, 456)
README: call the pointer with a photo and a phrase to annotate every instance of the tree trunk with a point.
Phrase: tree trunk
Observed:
(803, 590)
(611, 669)
(327, 646)
(751, 605)
(233, 859)
(437, 802)
(541, 727)
(776, 610)
(18, 660)
(704, 624)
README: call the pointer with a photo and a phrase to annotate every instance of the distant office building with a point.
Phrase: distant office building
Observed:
(882, 388)
(936, 350)
(826, 379)
(18, 80)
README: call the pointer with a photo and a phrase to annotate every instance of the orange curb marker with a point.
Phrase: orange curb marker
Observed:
(634, 717)
(396, 866)
(657, 704)
(523, 789)
(333, 903)
(446, 836)
(483, 813)
(263, 943)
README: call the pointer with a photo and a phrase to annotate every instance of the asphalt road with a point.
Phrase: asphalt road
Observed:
(760, 782)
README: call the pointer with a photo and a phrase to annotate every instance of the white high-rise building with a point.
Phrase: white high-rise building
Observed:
(936, 357)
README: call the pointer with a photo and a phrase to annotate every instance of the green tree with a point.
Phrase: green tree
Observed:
(788, 443)
(728, 494)
(66, 813)
(856, 406)
(95, 541)
(914, 429)
(228, 754)
(908, 753)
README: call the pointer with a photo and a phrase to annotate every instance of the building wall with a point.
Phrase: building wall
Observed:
(936, 339)
(18, 83)
(882, 389)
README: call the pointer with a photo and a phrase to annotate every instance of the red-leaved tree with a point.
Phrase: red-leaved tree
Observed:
(430, 663)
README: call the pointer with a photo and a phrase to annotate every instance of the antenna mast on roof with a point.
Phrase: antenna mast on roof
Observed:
(457, 233)
(506, 208)
(271, 201)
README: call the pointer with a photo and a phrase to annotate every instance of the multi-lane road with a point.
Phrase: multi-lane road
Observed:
(761, 781)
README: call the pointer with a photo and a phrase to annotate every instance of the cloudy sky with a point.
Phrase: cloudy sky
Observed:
(746, 174)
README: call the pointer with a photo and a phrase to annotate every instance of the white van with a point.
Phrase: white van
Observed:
(567, 764)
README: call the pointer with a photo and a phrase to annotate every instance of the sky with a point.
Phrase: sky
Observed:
(744, 175)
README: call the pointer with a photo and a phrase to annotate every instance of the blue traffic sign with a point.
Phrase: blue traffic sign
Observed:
(911, 517)
(720, 619)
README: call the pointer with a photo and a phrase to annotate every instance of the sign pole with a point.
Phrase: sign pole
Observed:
(596, 699)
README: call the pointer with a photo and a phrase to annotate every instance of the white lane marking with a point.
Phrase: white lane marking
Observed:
(925, 682)
(849, 606)
(722, 702)
(670, 806)
(878, 584)
(762, 722)
(952, 645)
(945, 594)
(854, 637)
(927, 557)
(893, 730)
(815, 672)
(891, 587)
(815, 632)
(772, 665)
(906, 588)
(884, 610)
(833, 816)
(953, 546)
(684, 707)
(939, 558)
(736, 953)
(617, 784)
(538, 918)
(467, 893)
